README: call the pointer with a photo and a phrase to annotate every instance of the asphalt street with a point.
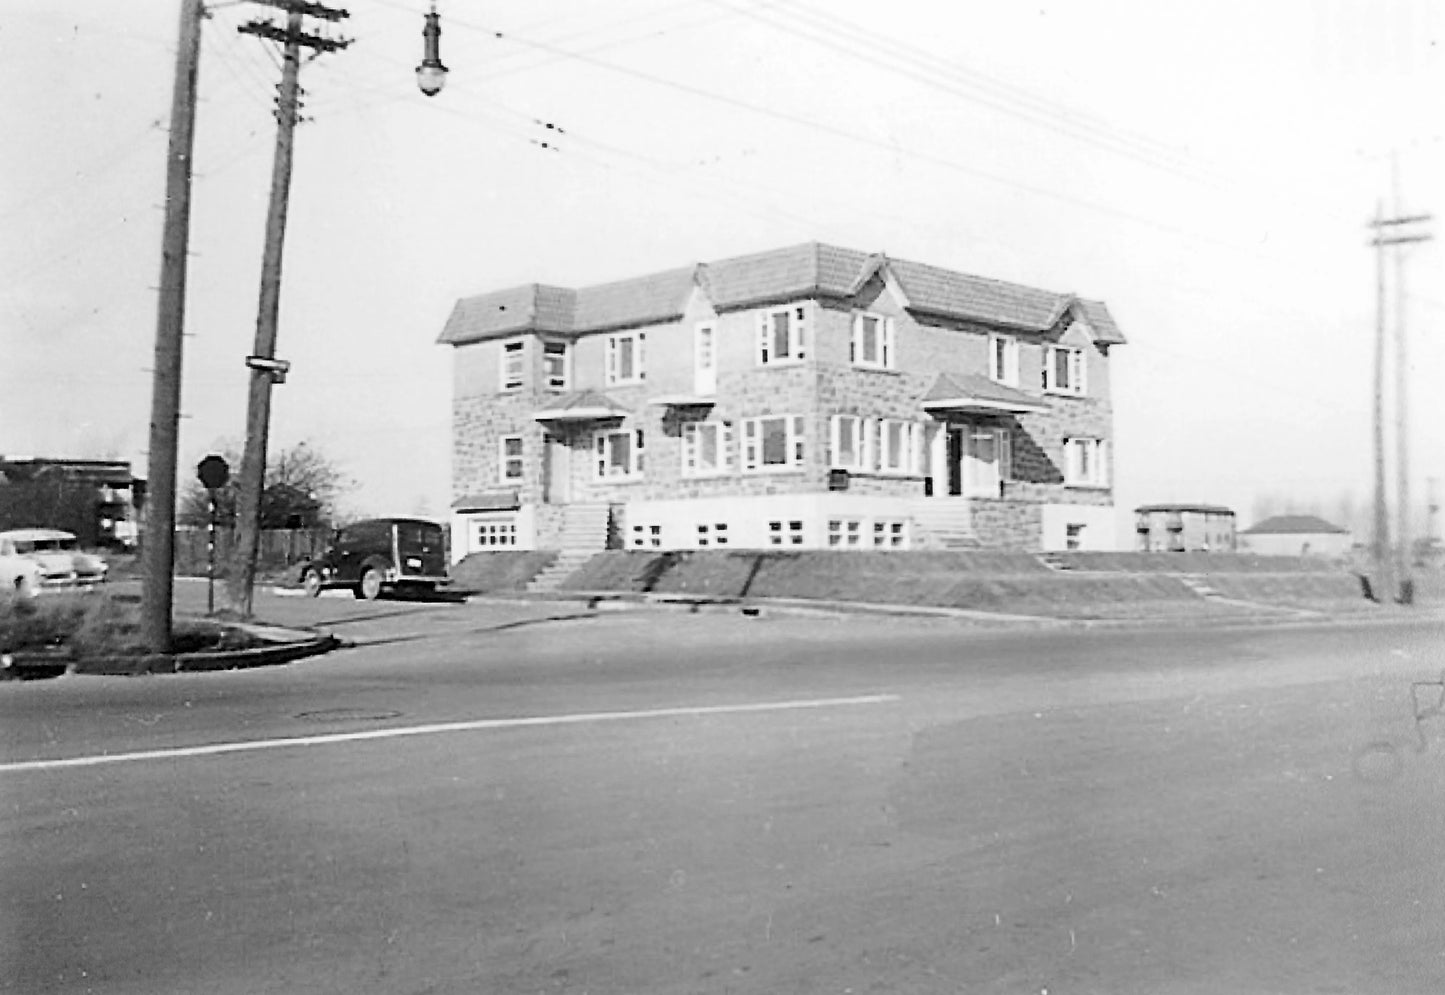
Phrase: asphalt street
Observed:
(545, 798)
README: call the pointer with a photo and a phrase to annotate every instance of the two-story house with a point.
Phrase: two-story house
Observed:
(807, 397)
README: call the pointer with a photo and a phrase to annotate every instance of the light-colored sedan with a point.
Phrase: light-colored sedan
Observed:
(57, 556)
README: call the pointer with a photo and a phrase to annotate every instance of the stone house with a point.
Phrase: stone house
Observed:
(807, 397)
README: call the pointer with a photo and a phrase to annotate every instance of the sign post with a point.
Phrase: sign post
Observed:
(214, 472)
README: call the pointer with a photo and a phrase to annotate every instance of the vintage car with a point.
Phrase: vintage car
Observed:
(57, 555)
(381, 554)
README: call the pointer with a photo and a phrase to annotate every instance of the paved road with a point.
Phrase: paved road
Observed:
(480, 799)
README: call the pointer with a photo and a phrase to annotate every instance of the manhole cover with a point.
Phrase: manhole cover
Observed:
(349, 715)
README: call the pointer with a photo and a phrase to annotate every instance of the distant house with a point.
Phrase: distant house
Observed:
(98, 500)
(811, 396)
(1182, 528)
(1296, 535)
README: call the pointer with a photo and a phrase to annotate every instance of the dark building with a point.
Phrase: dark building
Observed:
(98, 500)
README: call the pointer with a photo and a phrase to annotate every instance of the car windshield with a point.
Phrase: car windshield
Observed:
(44, 545)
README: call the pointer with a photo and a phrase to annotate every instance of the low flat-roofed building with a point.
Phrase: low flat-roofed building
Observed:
(1181, 528)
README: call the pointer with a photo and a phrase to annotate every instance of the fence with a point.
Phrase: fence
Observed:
(280, 549)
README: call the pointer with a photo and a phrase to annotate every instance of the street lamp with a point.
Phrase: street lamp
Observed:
(431, 75)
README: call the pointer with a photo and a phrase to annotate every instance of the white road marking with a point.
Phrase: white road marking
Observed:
(243, 746)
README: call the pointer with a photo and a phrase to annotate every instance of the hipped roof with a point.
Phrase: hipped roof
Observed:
(810, 270)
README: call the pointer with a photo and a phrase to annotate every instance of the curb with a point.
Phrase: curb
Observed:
(37, 665)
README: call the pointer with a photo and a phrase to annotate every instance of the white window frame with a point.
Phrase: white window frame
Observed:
(853, 430)
(492, 531)
(604, 466)
(753, 436)
(562, 381)
(647, 535)
(1086, 462)
(704, 357)
(1074, 371)
(796, 351)
(616, 376)
(787, 532)
(510, 379)
(1003, 369)
(507, 461)
(692, 433)
(884, 342)
(902, 458)
(711, 534)
(845, 533)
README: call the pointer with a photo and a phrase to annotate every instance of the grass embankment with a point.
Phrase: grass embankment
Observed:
(1092, 586)
(97, 624)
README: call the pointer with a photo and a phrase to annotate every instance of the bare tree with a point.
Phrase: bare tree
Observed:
(301, 490)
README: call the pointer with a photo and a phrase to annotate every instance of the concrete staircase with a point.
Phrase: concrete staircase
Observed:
(584, 533)
(943, 523)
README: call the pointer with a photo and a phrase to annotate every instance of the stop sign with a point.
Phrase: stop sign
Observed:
(213, 471)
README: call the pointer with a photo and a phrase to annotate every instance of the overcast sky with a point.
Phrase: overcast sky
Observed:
(1206, 169)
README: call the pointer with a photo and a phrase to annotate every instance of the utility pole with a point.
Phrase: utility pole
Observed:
(266, 370)
(158, 551)
(1394, 232)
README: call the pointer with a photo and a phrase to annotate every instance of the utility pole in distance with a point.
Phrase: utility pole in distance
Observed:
(266, 370)
(1393, 233)
(158, 551)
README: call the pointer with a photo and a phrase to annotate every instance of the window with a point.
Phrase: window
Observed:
(1063, 370)
(898, 446)
(774, 443)
(625, 359)
(889, 534)
(556, 365)
(848, 443)
(712, 534)
(510, 458)
(1073, 536)
(619, 454)
(789, 533)
(705, 448)
(514, 364)
(1003, 359)
(491, 532)
(1084, 461)
(987, 460)
(646, 537)
(873, 341)
(846, 532)
(782, 336)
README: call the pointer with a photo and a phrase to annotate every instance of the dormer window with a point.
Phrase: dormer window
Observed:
(1003, 359)
(1063, 370)
(873, 341)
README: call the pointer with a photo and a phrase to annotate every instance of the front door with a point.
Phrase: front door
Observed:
(954, 460)
(557, 471)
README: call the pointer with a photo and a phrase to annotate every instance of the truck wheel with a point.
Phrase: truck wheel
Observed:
(370, 587)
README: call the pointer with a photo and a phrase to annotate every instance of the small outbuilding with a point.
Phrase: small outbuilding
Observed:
(1184, 528)
(1296, 535)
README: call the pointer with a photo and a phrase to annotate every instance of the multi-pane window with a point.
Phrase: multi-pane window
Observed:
(1003, 359)
(773, 443)
(556, 365)
(618, 454)
(785, 533)
(872, 341)
(1085, 463)
(510, 458)
(889, 534)
(782, 336)
(646, 537)
(705, 448)
(1063, 370)
(625, 358)
(712, 534)
(489, 533)
(514, 364)
(848, 452)
(898, 446)
(845, 532)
